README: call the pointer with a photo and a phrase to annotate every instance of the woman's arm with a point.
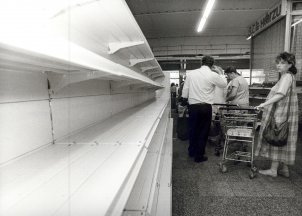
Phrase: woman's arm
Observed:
(274, 99)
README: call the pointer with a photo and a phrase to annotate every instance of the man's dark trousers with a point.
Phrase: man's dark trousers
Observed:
(200, 117)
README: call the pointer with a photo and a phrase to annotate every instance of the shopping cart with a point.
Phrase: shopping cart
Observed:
(239, 128)
(218, 137)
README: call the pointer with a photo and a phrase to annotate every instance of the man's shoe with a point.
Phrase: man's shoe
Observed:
(201, 159)
(191, 154)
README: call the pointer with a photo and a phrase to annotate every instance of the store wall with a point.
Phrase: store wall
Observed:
(296, 42)
(266, 46)
(30, 118)
(296, 48)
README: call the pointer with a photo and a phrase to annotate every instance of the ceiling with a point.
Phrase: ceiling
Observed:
(170, 29)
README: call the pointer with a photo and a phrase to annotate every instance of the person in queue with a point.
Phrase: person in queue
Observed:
(219, 98)
(283, 95)
(173, 95)
(237, 94)
(173, 90)
(199, 89)
(220, 93)
(238, 88)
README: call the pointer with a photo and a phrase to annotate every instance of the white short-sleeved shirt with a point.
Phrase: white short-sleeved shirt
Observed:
(220, 94)
(200, 85)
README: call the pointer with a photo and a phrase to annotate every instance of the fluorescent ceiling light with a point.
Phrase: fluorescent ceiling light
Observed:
(206, 13)
(297, 22)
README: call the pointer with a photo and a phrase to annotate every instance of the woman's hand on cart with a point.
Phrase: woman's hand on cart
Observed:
(260, 107)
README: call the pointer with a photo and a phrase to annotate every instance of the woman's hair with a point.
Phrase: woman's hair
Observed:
(290, 58)
(208, 61)
(231, 69)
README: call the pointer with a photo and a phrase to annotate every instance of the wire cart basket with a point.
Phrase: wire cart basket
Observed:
(239, 127)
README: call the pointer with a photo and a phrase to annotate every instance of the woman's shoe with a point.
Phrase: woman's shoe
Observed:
(268, 172)
(284, 173)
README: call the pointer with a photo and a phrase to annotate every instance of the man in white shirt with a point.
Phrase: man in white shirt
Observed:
(199, 88)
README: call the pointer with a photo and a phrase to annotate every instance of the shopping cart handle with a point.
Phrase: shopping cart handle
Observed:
(237, 108)
(228, 105)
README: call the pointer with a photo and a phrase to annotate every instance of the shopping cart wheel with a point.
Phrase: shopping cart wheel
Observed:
(252, 175)
(253, 172)
(223, 168)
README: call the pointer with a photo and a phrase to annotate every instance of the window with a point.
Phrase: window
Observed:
(258, 76)
(174, 77)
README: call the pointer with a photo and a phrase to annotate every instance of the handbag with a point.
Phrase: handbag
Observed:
(277, 135)
(182, 128)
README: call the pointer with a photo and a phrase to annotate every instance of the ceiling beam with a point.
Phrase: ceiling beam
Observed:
(204, 45)
(199, 11)
(171, 58)
(197, 36)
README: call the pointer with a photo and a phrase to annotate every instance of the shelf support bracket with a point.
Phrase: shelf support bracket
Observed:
(114, 47)
(144, 69)
(133, 62)
(156, 75)
(59, 81)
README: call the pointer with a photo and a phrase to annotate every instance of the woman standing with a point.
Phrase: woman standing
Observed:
(282, 95)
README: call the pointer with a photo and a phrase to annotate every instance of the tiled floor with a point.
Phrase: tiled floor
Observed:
(201, 189)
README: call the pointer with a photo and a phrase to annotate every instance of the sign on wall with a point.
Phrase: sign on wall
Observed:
(270, 17)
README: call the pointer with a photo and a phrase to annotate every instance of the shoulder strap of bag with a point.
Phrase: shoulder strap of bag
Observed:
(290, 94)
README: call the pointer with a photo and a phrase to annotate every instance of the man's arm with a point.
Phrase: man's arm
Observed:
(185, 92)
(185, 89)
(232, 94)
(220, 81)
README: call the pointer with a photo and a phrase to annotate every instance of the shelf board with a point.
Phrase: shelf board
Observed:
(91, 171)
(96, 28)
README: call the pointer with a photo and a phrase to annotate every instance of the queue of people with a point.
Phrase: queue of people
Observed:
(204, 86)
